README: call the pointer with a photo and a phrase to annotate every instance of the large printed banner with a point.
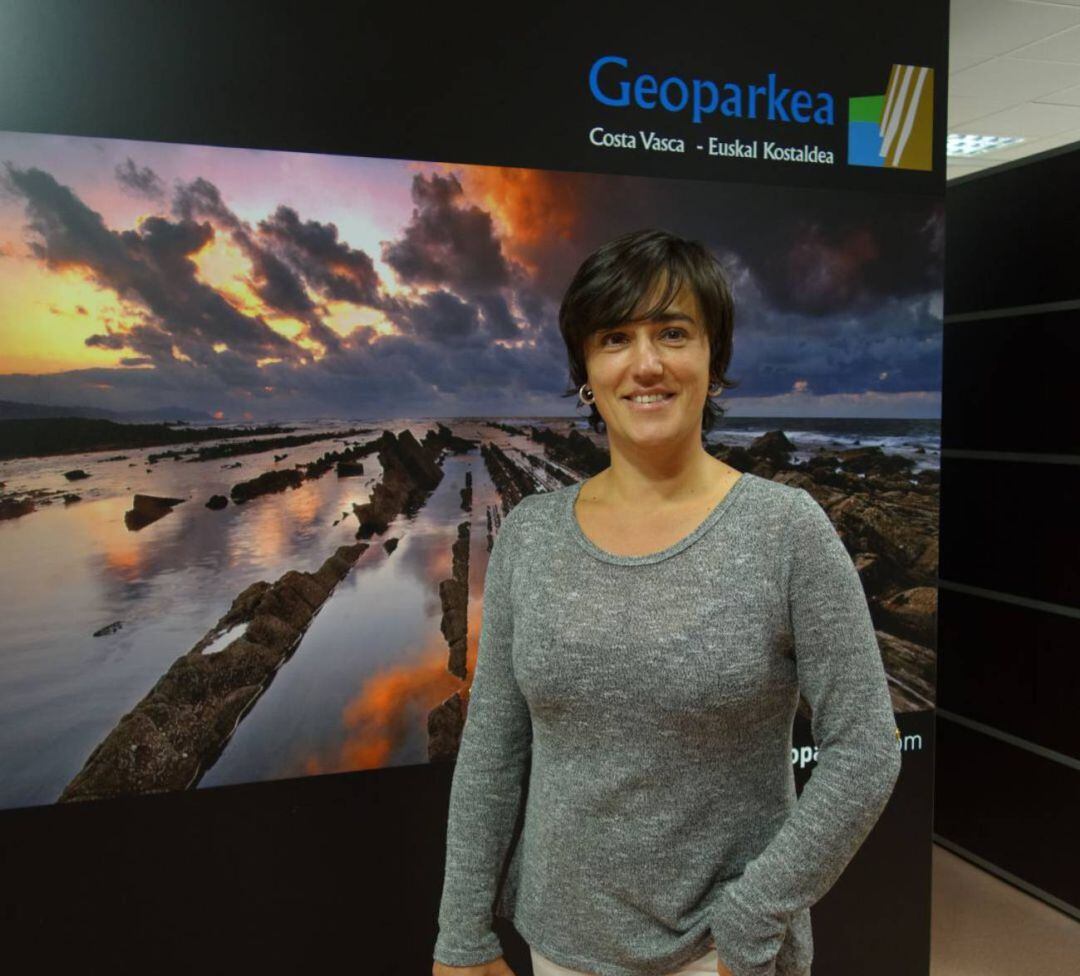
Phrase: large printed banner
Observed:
(264, 401)
(228, 362)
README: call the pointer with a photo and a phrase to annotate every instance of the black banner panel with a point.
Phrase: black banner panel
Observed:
(279, 351)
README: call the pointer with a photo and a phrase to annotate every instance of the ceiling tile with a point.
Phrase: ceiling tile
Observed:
(1067, 96)
(981, 29)
(964, 107)
(1015, 70)
(1061, 47)
(1013, 80)
(1032, 120)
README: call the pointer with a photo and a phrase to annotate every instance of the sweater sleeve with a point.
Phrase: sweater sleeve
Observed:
(487, 785)
(841, 675)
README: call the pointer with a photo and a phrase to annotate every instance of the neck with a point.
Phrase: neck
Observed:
(652, 474)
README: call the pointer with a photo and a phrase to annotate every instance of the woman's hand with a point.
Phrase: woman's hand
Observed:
(497, 967)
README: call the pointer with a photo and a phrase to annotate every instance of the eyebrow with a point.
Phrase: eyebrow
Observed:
(659, 317)
(674, 317)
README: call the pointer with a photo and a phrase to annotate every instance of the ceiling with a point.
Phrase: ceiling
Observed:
(1014, 70)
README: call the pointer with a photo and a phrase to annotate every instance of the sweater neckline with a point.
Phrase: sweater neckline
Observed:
(709, 521)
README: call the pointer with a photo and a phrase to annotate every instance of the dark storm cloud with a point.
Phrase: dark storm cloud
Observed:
(813, 251)
(499, 323)
(335, 270)
(448, 241)
(275, 283)
(200, 199)
(896, 348)
(399, 374)
(840, 291)
(844, 259)
(151, 266)
(139, 180)
(108, 340)
(436, 316)
(842, 286)
(288, 256)
(278, 285)
(451, 245)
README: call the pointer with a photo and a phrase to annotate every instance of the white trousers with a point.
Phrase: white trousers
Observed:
(708, 963)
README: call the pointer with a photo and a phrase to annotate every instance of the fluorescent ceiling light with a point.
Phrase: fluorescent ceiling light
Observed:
(972, 145)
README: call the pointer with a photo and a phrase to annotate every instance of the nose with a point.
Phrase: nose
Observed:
(646, 363)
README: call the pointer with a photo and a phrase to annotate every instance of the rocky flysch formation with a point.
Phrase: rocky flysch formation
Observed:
(217, 451)
(350, 469)
(494, 520)
(282, 479)
(466, 493)
(447, 720)
(44, 436)
(511, 481)
(445, 723)
(18, 503)
(335, 459)
(13, 506)
(444, 439)
(509, 428)
(148, 508)
(410, 472)
(266, 483)
(171, 737)
(454, 596)
(887, 515)
(559, 474)
(573, 450)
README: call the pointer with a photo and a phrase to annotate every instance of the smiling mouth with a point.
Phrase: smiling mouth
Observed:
(650, 403)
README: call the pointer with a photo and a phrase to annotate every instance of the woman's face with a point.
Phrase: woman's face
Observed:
(669, 353)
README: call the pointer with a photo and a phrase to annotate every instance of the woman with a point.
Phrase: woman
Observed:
(645, 639)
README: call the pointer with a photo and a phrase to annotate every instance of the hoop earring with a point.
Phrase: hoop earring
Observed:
(717, 391)
(581, 394)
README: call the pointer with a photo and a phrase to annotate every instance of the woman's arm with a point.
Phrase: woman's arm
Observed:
(842, 677)
(487, 787)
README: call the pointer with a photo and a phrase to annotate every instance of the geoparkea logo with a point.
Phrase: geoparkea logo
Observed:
(612, 82)
(895, 128)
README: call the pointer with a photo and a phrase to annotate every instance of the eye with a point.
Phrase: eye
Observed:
(610, 335)
(680, 333)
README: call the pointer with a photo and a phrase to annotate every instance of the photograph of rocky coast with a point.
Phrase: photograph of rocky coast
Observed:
(355, 645)
(262, 414)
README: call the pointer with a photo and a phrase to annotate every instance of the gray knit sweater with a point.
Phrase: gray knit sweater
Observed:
(651, 699)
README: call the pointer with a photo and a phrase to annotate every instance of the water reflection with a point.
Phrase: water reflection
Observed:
(372, 664)
(70, 571)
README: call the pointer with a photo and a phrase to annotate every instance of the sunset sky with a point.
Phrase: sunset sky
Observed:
(259, 285)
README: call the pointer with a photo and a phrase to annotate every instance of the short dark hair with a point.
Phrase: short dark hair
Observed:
(613, 280)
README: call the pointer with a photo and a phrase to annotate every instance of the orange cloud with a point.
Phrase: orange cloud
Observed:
(529, 206)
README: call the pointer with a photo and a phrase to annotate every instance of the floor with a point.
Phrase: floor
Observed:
(983, 926)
